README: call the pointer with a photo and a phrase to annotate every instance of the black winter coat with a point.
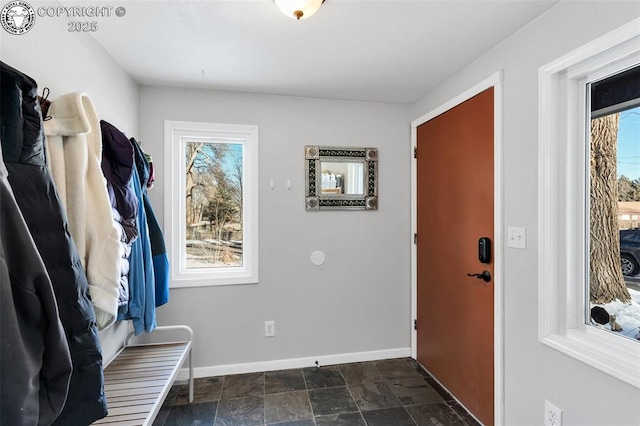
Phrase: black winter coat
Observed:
(22, 141)
(35, 365)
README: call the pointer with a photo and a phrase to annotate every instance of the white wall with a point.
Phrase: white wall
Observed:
(71, 62)
(533, 371)
(358, 301)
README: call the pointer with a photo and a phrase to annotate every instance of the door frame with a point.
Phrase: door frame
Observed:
(495, 81)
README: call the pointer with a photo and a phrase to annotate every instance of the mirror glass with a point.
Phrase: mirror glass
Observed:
(341, 178)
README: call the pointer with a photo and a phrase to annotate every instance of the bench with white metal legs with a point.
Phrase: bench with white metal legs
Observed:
(140, 376)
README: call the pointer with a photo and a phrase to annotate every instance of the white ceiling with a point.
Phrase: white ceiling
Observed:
(387, 51)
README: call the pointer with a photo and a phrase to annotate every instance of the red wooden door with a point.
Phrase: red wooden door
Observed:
(454, 209)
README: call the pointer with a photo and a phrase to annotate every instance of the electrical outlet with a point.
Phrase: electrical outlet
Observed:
(269, 328)
(552, 415)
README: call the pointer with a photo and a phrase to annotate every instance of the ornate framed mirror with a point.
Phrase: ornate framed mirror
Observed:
(341, 178)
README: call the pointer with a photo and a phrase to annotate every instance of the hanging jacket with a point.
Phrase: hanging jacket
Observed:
(158, 249)
(22, 137)
(35, 365)
(141, 308)
(123, 294)
(117, 168)
(119, 164)
(74, 156)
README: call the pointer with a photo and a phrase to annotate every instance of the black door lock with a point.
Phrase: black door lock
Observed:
(484, 250)
(485, 276)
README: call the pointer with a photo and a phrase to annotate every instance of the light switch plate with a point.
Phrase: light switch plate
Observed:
(517, 237)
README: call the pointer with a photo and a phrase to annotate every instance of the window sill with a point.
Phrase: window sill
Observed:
(229, 276)
(601, 350)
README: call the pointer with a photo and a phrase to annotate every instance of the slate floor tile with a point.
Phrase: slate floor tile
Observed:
(334, 400)
(202, 414)
(435, 415)
(441, 391)
(374, 396)
(166, 406)
(206, 389)
(239, 385)
(283, 381)
(287, 407)
(247, 411)
(307, 422)
(161, 416)
(389, 416)
(392, 392)
(416, 366)
(392, 369)
(345, 419)
(359, 373)
(323, 377)
(172, 394)
(460, 411)
(415, 392)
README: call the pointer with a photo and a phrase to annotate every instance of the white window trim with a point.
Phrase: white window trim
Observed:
(176, 134)
(562, 203)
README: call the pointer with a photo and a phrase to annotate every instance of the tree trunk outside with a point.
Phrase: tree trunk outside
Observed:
(192, 152)
(606, 279)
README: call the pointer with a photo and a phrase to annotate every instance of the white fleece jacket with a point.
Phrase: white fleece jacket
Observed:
(74, 154)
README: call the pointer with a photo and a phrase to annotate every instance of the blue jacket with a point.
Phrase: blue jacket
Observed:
(158, 248)
(141, 308)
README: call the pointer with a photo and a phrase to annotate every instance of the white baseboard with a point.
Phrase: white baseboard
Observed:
(283, 364)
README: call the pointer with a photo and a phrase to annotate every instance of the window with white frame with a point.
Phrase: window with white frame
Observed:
(579, 204)
(211, 203)
(613, 143)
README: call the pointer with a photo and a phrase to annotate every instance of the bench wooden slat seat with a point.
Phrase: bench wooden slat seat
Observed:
(140, 376)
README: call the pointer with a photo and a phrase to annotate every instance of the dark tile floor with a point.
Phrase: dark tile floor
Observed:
(393, 392)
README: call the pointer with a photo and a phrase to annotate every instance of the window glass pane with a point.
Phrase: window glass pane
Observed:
(614, 173)
(213, 204)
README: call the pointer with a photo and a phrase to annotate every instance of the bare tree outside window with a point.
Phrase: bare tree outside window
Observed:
(614, 218)
(607, 283)
(213, 204)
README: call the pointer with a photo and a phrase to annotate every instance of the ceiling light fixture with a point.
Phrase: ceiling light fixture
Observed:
(299, 9)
